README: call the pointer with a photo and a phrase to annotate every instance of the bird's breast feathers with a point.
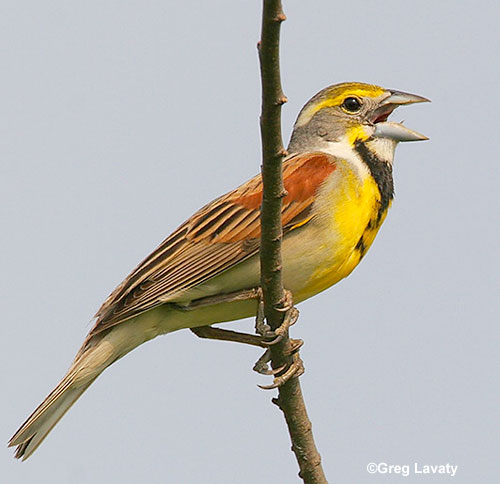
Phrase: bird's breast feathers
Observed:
(346, 223)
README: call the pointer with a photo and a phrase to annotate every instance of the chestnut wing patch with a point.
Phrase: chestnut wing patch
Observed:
(220, 235)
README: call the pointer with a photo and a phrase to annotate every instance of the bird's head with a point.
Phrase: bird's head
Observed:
(350, 113)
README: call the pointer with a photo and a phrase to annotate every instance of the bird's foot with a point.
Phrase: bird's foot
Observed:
(283, 373)
(266, 336)
(271, 337)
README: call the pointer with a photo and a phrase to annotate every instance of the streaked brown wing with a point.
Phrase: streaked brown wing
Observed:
(220, 235)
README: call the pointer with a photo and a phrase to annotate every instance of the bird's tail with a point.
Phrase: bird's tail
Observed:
(32, 433)
(88, 365)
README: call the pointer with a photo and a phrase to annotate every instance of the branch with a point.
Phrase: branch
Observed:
(290, 399)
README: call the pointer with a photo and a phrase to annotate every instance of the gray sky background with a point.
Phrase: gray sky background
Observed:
(119, 119)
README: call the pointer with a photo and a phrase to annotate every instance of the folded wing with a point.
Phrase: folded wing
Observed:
(220, 235)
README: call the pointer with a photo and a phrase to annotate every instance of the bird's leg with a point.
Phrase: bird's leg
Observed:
(266, 338)
(248, 294)
(209, 332)
(244, 295)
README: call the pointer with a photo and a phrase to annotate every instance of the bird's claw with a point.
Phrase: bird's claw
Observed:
(278, 334)
(287, 371)
(290, 318)
(295, 369)
(287, 302)
(271, 337)
(261, 366)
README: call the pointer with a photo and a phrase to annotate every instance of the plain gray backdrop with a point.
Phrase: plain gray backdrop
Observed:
(118, 119)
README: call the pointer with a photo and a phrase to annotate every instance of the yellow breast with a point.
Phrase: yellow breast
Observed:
(349, 213)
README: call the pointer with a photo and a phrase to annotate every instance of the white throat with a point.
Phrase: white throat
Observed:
(383, 148)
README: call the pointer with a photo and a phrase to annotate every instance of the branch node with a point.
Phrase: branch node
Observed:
(282, 100)
(281, 17)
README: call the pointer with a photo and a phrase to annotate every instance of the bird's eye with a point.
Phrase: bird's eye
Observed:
(351, 104)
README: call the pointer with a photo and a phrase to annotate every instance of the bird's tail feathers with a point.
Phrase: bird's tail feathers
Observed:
(85, 369)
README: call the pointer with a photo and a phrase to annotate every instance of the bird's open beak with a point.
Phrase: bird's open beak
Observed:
(400, 98)
(396, 131)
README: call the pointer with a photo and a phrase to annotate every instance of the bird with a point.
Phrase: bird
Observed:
(338, 181)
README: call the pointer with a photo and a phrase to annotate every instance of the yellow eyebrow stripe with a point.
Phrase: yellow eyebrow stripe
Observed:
(337, 98)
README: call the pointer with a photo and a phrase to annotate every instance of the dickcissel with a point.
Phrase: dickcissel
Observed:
(339, 186)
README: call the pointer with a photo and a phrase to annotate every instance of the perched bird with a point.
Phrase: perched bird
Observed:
(339, 184)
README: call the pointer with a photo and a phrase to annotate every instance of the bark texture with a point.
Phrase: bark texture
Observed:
(290, 399)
